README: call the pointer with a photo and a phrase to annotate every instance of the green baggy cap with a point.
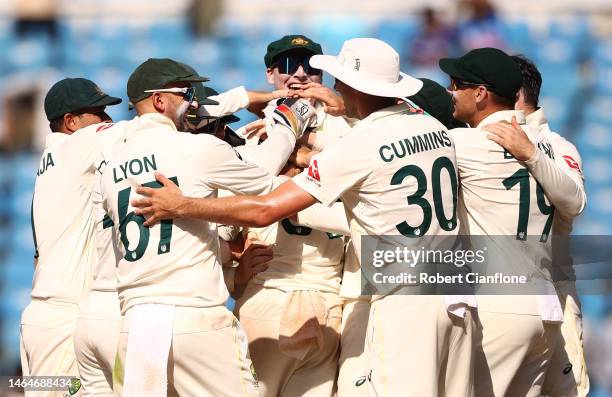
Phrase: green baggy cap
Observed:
(157, 73)
(435, 100)
(73, 94)
(489, 66)
(290, 42)
(201, 93)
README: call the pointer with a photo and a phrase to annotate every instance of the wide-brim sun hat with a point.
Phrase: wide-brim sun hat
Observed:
(370, 66)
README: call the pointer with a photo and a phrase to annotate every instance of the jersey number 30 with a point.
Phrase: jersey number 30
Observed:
(417, 198)
(143, 240)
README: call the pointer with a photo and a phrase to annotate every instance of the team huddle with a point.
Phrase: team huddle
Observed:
(145, 227)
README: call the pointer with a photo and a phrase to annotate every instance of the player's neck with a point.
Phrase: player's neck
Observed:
(374, 104)
(529, 109)
(484, 113)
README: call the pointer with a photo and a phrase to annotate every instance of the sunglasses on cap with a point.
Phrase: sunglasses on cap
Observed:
(456, 85)
(290, 65)
(188, 92)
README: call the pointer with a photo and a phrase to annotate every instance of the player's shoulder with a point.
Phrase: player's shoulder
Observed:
(557, 139)
(563, 147)
(205, 147)
(535, 135)
(465, 135)
(197, 141)
(99, 128)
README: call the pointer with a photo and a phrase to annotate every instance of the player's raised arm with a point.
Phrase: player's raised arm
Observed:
(256, 211)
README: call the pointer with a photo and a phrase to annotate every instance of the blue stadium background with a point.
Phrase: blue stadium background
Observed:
(574, 59)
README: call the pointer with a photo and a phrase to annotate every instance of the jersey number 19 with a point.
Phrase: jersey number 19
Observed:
(522, 178)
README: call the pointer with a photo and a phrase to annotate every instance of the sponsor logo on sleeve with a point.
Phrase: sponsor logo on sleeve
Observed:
(313, 171)
(104, 127)
(573, 164)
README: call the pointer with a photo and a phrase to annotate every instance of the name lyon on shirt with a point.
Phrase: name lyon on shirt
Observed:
(134, 167)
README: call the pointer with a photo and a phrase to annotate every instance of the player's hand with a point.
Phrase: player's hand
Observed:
(512, 138)
(333, 104)
(278, 94)
(295, 114)
(254, 259)
(160, 203)
(257, 129)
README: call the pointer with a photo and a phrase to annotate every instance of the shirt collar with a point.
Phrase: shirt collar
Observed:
(537, 118)
(156, 120)
(388, 111)
(54, 138)
(503, 115)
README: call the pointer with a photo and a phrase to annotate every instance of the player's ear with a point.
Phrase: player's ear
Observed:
(71, 122)
(270, 75)
(480, 94)
(159, 102)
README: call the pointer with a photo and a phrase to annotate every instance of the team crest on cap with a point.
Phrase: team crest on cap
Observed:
(299, 41)
(357, 64)
(99, 90)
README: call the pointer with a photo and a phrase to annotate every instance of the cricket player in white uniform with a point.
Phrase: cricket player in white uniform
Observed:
(294, 349)
(170, 283)
(352, 376)
(287, 68)
(291, 312)
(64, 226)
(283, 56)
(566, 374)
(368, 77)
(498, 198)
(99, 321)
(99, 324)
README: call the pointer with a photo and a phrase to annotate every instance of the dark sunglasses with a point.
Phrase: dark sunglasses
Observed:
(290, 65)
(456, 85)
(188, 92)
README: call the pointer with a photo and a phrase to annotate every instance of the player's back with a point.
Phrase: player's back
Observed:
(174, 262)
(62, 213)
(410, 183)
(396, 175)
(499, 199)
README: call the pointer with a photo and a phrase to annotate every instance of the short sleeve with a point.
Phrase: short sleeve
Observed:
(332, 172)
